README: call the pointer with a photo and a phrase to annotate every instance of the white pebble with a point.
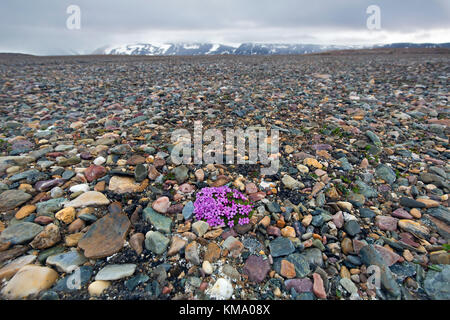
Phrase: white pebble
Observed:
(99, 161)
(79, 187)
(222, 289)
(207, 267)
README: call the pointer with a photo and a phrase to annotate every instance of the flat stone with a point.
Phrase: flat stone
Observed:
(132, 283)
(256, 268)
(122, 185)
(20, 233)
(115, 272)
(66, 262)
(72, 240)
(411, 203)
(388, 256)
(300, 263)
(352, 228)
(386, 223)
(299, 285)
(401, 213)
(313, 256)
(11, 199)
(30, 280)
(50, 206)
(414, 227)
(94, 172)
(233, 245)
(11, 268)
(90, 198)
(287, 269)
(318, 287)
(292, 183)
(25, 211)
(348, 285)
(106, 236)
(440, 213)
(212, 253)
(281, 247)
(74, 281)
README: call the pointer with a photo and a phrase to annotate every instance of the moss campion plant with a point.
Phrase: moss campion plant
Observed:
(221, 206)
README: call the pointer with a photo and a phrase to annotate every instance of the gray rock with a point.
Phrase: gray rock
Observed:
(370, 256)
(386, 173)
(352, 228)
(437, 284)
(50, 206)
(181, 173)
(374, 138)
(67, 261)
(348, 285)
(75, 281)
(411, 203)
(140, 172)
(20, 232)
(188, 210)
(200, 227)
(156, 242)
(159, 221)
(314, 257)
(441, 213)
(11, 199)
(366, 190)
(292, 183)
(116, 271)
(281, 246)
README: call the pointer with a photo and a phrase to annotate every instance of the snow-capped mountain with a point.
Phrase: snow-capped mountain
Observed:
(177, 49)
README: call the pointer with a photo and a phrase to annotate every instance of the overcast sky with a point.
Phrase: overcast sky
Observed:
(39, 26)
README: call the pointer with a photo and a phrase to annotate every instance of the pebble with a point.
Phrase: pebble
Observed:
(156, 242)
(115, 272)
(222, 289)
(90, 198)
(46, 238)
(66, 215)
(318, 287)
(97, 287)
(200, 227)
(29, 281)
(161, 205)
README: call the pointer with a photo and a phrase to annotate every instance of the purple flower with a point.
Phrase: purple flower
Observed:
(222, 206)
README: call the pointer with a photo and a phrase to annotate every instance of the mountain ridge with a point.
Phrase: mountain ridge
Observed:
(247, 48)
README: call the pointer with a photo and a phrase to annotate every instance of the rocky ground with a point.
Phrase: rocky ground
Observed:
(86, 177)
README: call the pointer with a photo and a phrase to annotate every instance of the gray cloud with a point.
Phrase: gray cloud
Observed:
(40, 26)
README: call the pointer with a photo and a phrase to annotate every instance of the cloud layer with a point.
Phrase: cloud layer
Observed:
(39, 27)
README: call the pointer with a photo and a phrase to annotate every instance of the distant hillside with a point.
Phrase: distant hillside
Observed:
(182, 49)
